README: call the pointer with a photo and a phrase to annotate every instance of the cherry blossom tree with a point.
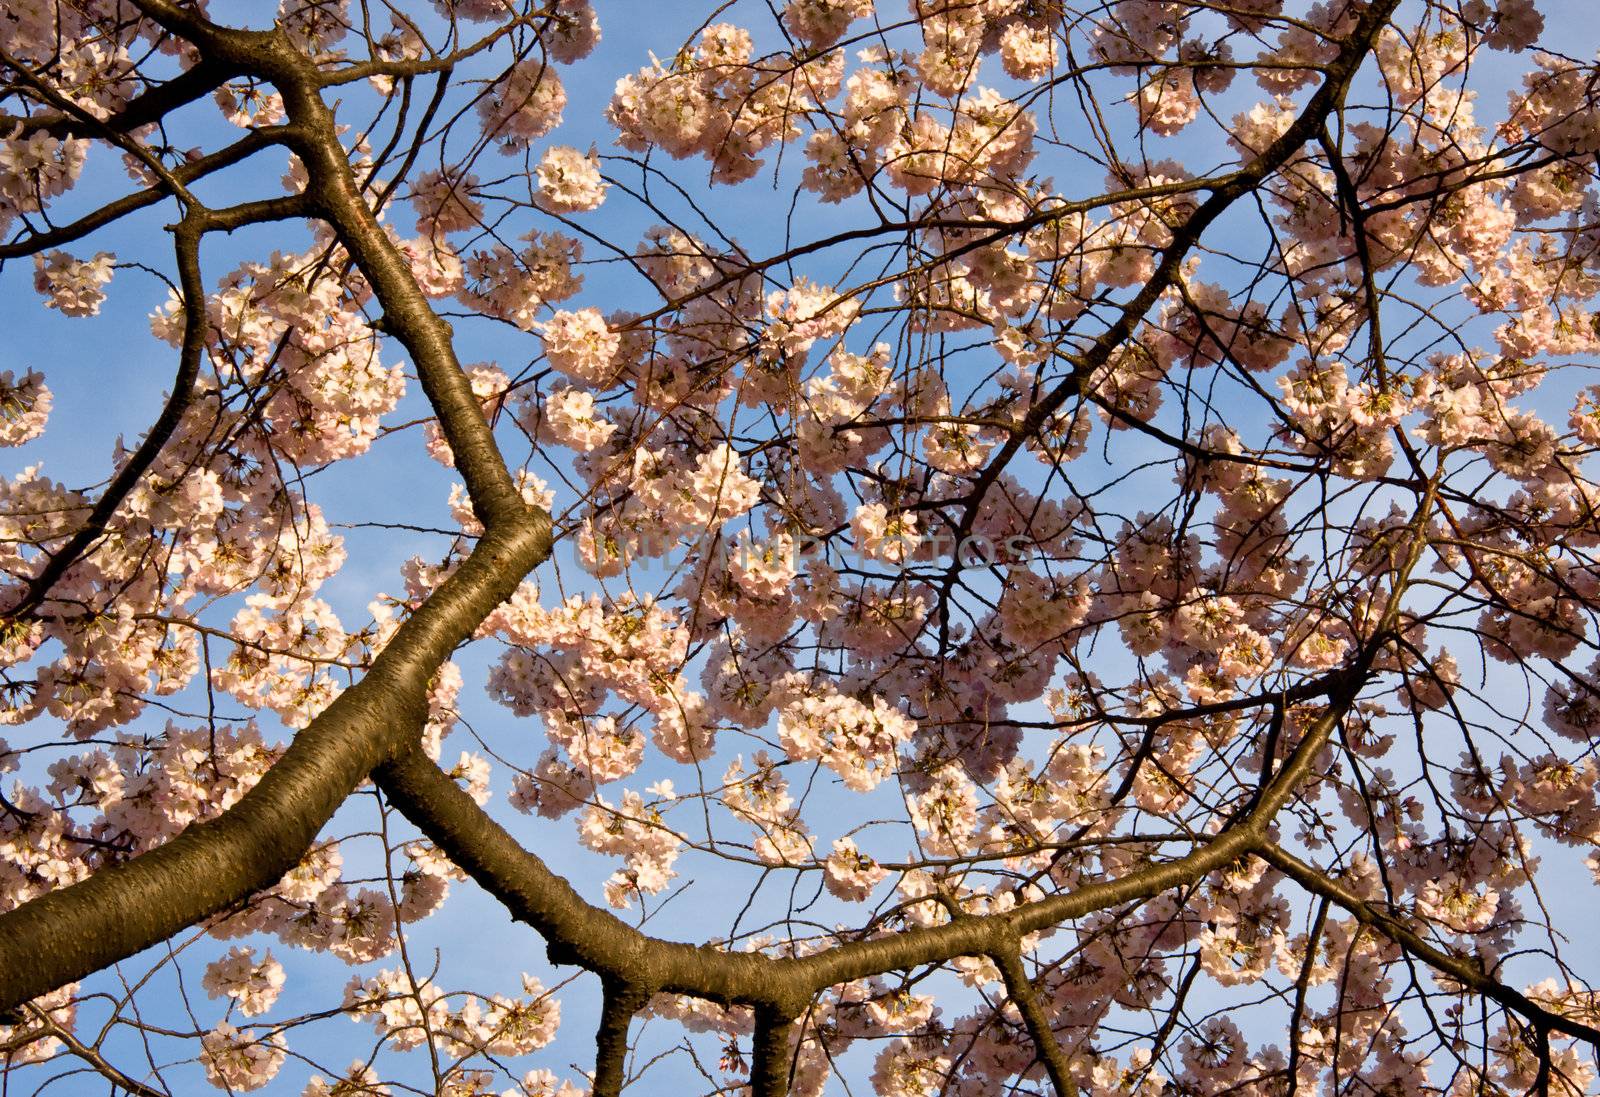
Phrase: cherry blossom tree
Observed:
(972, 547)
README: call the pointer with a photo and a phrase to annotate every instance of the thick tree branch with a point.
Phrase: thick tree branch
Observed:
(576, 932)
(1045, 1045)
(579, 933)
(618, 1005)
(117, 912)
(121, 910)
(337, 194)
(1236, 782)
(772, 1054)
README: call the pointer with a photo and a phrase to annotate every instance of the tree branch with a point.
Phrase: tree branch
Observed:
(91, 1055)
(193, 83)
(577, 932)
(1469, 973)
(1046, 1048)
(186, 236)
(772, 1054)
(120, 910)
(250, 143)
(619, 1003)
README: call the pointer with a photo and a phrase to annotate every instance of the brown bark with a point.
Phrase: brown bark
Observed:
(372, 729)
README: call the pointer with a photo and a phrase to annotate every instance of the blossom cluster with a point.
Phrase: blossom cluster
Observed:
(1104, 490)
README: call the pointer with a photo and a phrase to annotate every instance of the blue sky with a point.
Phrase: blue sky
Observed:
(109, 377)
